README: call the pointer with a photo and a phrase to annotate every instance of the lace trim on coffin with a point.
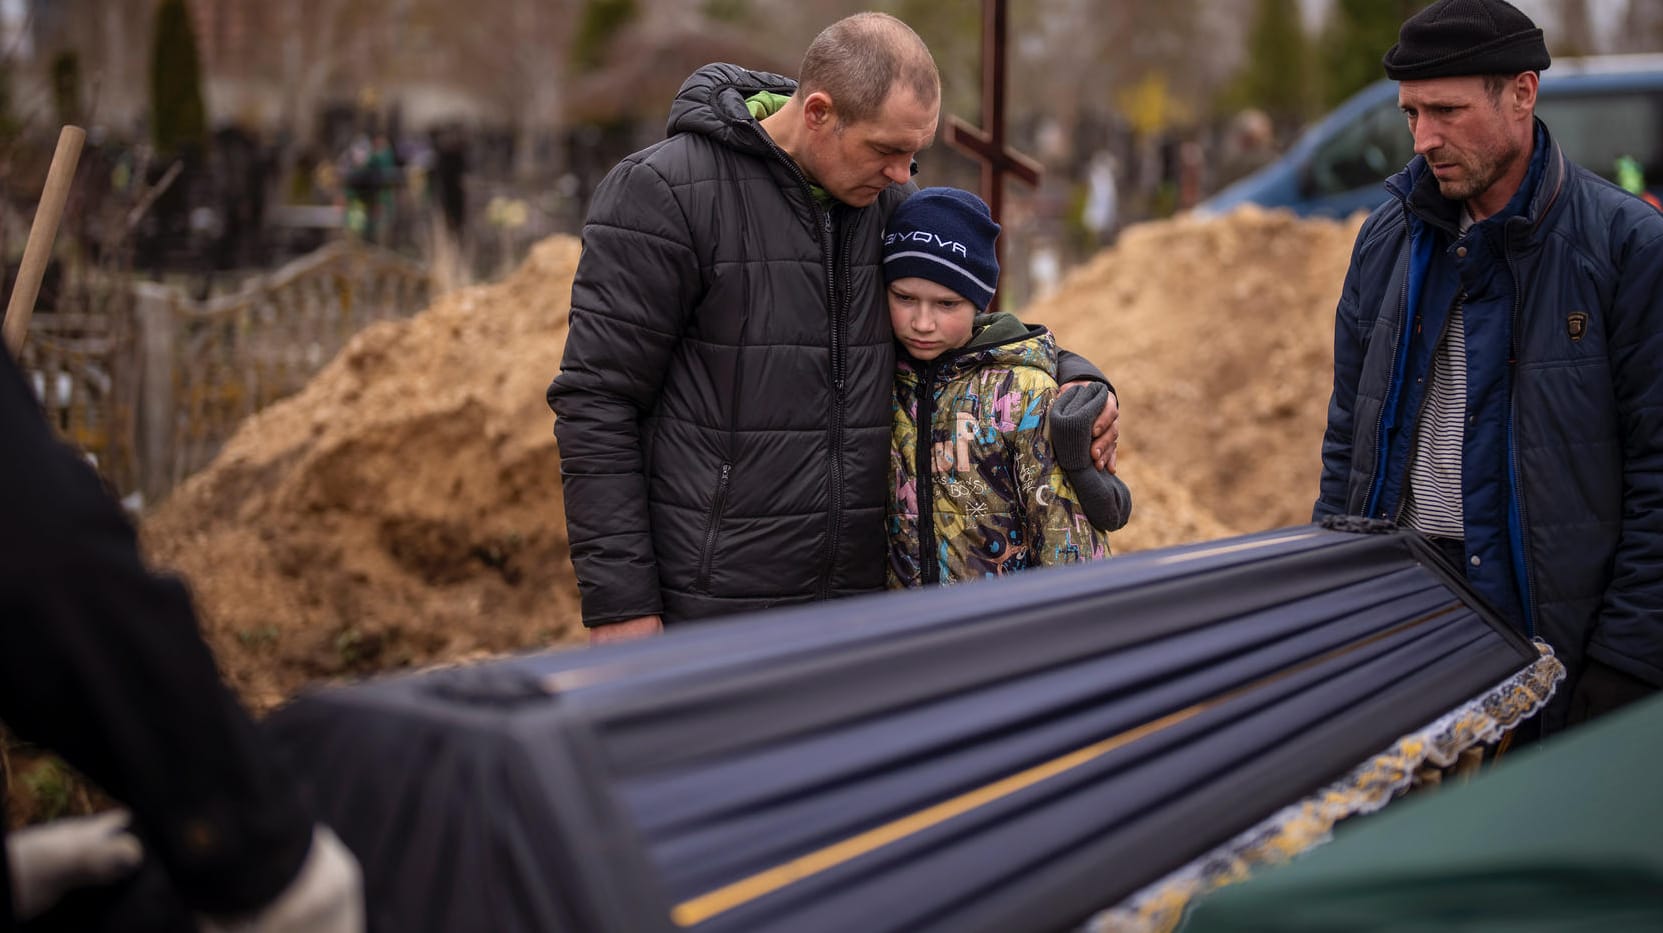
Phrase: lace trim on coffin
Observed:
(1159, 907)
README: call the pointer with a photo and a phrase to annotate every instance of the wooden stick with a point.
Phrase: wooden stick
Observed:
(38, 251)
(1470, 762)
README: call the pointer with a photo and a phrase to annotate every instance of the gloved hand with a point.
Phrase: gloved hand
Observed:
(1103, 497)
(53, 859)
(327, 896)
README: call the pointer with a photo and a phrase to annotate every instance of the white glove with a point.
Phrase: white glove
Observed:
(50, 860)
(326, 897)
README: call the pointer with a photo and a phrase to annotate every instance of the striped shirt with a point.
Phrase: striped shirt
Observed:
(1432, 502)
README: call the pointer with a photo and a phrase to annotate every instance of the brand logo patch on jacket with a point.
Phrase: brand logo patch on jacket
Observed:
(1576, 324)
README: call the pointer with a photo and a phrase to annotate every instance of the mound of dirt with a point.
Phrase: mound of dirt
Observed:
(405, 508)
(1218, 335)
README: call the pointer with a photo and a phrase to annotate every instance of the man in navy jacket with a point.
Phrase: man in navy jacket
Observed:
(1497, 383)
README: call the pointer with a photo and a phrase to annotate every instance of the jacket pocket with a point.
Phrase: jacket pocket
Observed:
(707, 557)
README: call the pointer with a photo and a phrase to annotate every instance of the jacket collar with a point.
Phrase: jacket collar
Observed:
(711, 103)
(1001, 339)
(1417, 188)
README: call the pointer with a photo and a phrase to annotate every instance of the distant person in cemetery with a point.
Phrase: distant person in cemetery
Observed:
(1249, 145)
(101, 662)
(1496, 375)
(450, 170)
(724, 398)
(976, 487)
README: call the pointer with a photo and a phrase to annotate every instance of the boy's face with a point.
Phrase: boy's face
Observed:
(929, 319)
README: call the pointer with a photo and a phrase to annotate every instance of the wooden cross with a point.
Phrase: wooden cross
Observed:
(989, 147)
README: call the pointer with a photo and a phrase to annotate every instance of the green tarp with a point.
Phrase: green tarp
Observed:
(1567, 835)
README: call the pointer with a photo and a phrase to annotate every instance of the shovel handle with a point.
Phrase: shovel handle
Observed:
(38, 251)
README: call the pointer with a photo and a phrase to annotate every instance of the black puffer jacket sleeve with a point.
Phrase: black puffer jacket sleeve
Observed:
(635, 286)
(1072, 366)
(101, 661)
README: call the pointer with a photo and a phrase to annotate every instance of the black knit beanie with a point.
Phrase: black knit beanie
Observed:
(1102, 496)
(944, 235)
(1453, 38)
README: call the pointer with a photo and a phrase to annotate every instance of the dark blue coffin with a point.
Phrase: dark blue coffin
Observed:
(1012, 754)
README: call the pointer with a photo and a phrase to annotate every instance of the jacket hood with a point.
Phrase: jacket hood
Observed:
(711, 103)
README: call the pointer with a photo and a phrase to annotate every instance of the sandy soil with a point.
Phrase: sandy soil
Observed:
(405, 508)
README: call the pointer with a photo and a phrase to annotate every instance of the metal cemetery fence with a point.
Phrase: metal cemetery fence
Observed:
(151, 396)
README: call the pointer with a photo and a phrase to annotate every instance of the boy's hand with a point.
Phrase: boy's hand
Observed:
(1105, 431)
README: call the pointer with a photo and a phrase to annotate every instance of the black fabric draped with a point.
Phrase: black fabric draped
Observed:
(1014, 754)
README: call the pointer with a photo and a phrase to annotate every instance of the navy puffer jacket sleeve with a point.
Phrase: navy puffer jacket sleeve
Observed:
(1628, 633)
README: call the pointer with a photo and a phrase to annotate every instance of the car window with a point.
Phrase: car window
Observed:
(1364, 153)
(1597, 130)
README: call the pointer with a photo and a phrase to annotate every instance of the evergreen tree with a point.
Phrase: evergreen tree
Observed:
(66, 87)
(600, 23)
(1575, 35)
(178, 119)
(953, 32)
(8, 120)
(1277, 77)
(1358, 34)
(728, 11)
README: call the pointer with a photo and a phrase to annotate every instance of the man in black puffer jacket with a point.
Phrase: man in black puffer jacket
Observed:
(1496, 381)
(724, 398)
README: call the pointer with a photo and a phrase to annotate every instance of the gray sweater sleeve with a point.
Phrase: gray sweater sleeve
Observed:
(1103, 496)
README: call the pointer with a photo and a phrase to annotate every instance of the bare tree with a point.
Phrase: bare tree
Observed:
(1642, 27)
(1575, 36)
(1075, 59)
(512, 53)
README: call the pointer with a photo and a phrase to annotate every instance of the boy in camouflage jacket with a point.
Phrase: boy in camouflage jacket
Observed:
(976, 489)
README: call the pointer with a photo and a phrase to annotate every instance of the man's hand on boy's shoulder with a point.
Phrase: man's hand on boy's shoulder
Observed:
(1105, 431)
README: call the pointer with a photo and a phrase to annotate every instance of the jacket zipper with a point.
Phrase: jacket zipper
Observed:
(834, 516)
(929, 567)
(838, 306)
(836, 297)
(1420, 410)
(708, 558)
(718, 505)
(1380, 452)
(1513, 451)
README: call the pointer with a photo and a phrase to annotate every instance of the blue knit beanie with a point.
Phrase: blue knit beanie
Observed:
(944, 235)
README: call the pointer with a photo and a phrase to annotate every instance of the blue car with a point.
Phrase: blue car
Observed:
(1605, 111)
